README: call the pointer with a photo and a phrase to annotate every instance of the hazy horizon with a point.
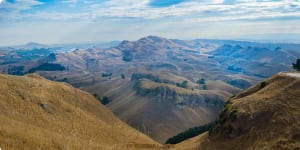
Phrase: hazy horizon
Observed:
(75, 21)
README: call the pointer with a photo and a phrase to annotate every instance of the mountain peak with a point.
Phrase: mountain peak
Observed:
(151, 38)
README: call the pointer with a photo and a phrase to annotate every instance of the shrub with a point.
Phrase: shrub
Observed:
(183, 84)
(123, 76)
(106, 74)
(104, 100)
(296, 65)
(263, 84)
(223, 117)
(233, 115)
(201, 81)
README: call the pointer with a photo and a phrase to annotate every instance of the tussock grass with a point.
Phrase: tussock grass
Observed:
(39, 114)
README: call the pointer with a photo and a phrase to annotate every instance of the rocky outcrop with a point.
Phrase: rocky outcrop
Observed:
(154, 78)
(180, 99)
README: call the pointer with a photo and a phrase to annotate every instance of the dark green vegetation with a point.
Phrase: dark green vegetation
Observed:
(106, 74)
(104, 100)
(123, 76)
(183, 84)
(192, 132)
(223, 117)
(296, 65)
(201, 81)
(47, 67)
(263, 84)
(233, 114)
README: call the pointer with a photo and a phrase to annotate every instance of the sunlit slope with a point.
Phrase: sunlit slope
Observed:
(163, 110)
(266, 116)
(39, 114)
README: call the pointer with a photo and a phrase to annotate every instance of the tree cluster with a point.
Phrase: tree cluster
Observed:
(192, 132)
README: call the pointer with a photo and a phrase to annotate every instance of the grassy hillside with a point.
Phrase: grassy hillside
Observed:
(266, 116)
(176, 109)
(226, 70)
(39, 114)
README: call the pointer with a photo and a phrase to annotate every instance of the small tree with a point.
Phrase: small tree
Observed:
(105, 100)
(184, 84)
(123, 76)
(106, 74)
(201, 81)
(297, 65)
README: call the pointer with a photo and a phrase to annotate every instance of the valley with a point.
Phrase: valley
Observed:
(161, 86)
(149, 75)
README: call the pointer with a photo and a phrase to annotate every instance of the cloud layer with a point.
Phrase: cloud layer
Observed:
(196, 18)
(208, 10)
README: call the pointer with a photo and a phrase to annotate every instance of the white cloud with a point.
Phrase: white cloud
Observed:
(135, 18)
(140, 9)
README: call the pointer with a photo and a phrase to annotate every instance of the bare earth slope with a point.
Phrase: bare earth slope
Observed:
(39, 114)
(266, 116)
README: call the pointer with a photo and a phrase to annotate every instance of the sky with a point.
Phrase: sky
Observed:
(79, 21)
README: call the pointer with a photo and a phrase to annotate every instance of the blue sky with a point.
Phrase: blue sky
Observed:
(73, 21)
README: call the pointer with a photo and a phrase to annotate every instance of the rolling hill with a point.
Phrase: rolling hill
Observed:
(133, 74)
(39, 114)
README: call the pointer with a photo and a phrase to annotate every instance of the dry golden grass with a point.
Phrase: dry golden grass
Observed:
(39, 114)
(267, 118)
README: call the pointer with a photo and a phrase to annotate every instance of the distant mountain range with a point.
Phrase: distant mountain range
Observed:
(160, 86)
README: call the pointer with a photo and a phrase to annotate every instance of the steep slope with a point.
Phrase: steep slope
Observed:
(39, 114)
(266, 116)
(163, 110)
